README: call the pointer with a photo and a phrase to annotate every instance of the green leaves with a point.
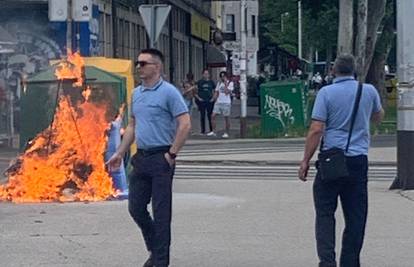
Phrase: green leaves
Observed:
(279, 24)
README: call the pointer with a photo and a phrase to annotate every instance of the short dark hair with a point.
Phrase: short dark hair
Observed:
(344, 65)
(205, 69)
(223, 74)
(154, 52)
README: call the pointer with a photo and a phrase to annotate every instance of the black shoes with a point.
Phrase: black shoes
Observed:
(149, 263)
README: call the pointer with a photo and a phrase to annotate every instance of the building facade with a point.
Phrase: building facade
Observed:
(228, 18)
(115, 29)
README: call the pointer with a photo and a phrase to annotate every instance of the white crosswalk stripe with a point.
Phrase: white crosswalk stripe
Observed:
(243, 150)
(288, 172)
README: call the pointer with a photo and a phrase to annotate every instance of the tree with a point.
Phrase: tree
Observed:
(278, 24)
(345, 29)
(321, 27)
(376, 73)
(369, 16)
(361, 38)
(279, 21)
(376, 10)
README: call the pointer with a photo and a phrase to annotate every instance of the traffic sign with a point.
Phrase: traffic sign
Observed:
(154, 17)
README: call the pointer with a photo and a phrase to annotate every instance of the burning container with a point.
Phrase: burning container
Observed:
(39, 99)
(66, 115)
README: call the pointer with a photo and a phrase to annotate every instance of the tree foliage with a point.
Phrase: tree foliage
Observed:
(279, 24)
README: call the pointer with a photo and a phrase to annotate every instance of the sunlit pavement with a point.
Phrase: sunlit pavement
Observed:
(215, 223)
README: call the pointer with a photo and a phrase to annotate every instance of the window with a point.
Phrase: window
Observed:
(253, 25)
(229, 23)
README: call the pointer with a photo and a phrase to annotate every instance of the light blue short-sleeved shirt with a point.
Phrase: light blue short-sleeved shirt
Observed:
(155, 111)
(334, 104)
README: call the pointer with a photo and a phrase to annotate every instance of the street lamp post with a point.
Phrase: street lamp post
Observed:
(405, 111)
(299, 29)
(282, 22)
(243, 69)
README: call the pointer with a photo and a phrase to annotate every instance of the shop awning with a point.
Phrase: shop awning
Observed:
(215, 59)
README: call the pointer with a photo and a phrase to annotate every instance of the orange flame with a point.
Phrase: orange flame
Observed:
(87, 93)
(66, 161)
(71, 68)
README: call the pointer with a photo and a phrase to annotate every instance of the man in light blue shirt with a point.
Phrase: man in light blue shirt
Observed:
(331, 118)
(160, 124)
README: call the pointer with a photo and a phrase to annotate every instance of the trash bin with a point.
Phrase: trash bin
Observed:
(284, 107)
(38, 101)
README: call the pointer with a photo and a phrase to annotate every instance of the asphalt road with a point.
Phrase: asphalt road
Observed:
(216, 223)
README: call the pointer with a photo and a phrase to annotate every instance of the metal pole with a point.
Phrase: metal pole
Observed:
(11, 118)
(299, 29)
(153, 23)
(405, 111)
(243, 69)
(69, 27)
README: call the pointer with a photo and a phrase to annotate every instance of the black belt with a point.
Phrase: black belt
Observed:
(153, 150)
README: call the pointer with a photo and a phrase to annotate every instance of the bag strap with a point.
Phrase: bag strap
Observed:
(353, 117)
(354, 113)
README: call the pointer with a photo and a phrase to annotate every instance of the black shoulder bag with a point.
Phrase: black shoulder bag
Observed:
(331, 163)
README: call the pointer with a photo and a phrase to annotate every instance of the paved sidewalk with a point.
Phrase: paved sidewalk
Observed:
(253, 118)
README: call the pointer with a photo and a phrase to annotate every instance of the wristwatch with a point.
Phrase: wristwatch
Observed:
(172, 155)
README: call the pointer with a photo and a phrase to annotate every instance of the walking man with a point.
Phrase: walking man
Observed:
(222, 106)
(331, 119)
(160, 125)
(204, 98)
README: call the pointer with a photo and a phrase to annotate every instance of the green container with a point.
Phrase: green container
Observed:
(38, 101)
(284, 107)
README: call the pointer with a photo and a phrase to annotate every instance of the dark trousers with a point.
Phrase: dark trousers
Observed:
(353, 194)
(205, 107)
(151, 179)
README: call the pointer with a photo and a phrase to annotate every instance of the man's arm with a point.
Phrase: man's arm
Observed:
(128, 138)
(183, 129)
(377, 117)
(312, 141)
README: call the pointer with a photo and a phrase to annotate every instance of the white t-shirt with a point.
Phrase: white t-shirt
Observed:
(222, 97)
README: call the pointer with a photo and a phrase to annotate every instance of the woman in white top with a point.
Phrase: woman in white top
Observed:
(222, 104)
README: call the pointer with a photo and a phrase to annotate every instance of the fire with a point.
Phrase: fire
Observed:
(71, 68)
(65, 162)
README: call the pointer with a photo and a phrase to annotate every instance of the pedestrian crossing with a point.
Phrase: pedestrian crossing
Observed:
(255, 172)
(242, 150)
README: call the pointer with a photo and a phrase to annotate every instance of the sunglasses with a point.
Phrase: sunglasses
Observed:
(142, 64)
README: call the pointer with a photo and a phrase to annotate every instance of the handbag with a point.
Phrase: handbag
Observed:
(331, 163)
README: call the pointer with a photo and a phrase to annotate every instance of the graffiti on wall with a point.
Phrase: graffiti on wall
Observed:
(35, 44)
(279, 110)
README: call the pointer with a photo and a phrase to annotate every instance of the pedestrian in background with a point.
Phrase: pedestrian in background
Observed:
(160, 125)
(189, 91)
(204, 98)
(114, 140)
(222, 106)
(332, 119)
